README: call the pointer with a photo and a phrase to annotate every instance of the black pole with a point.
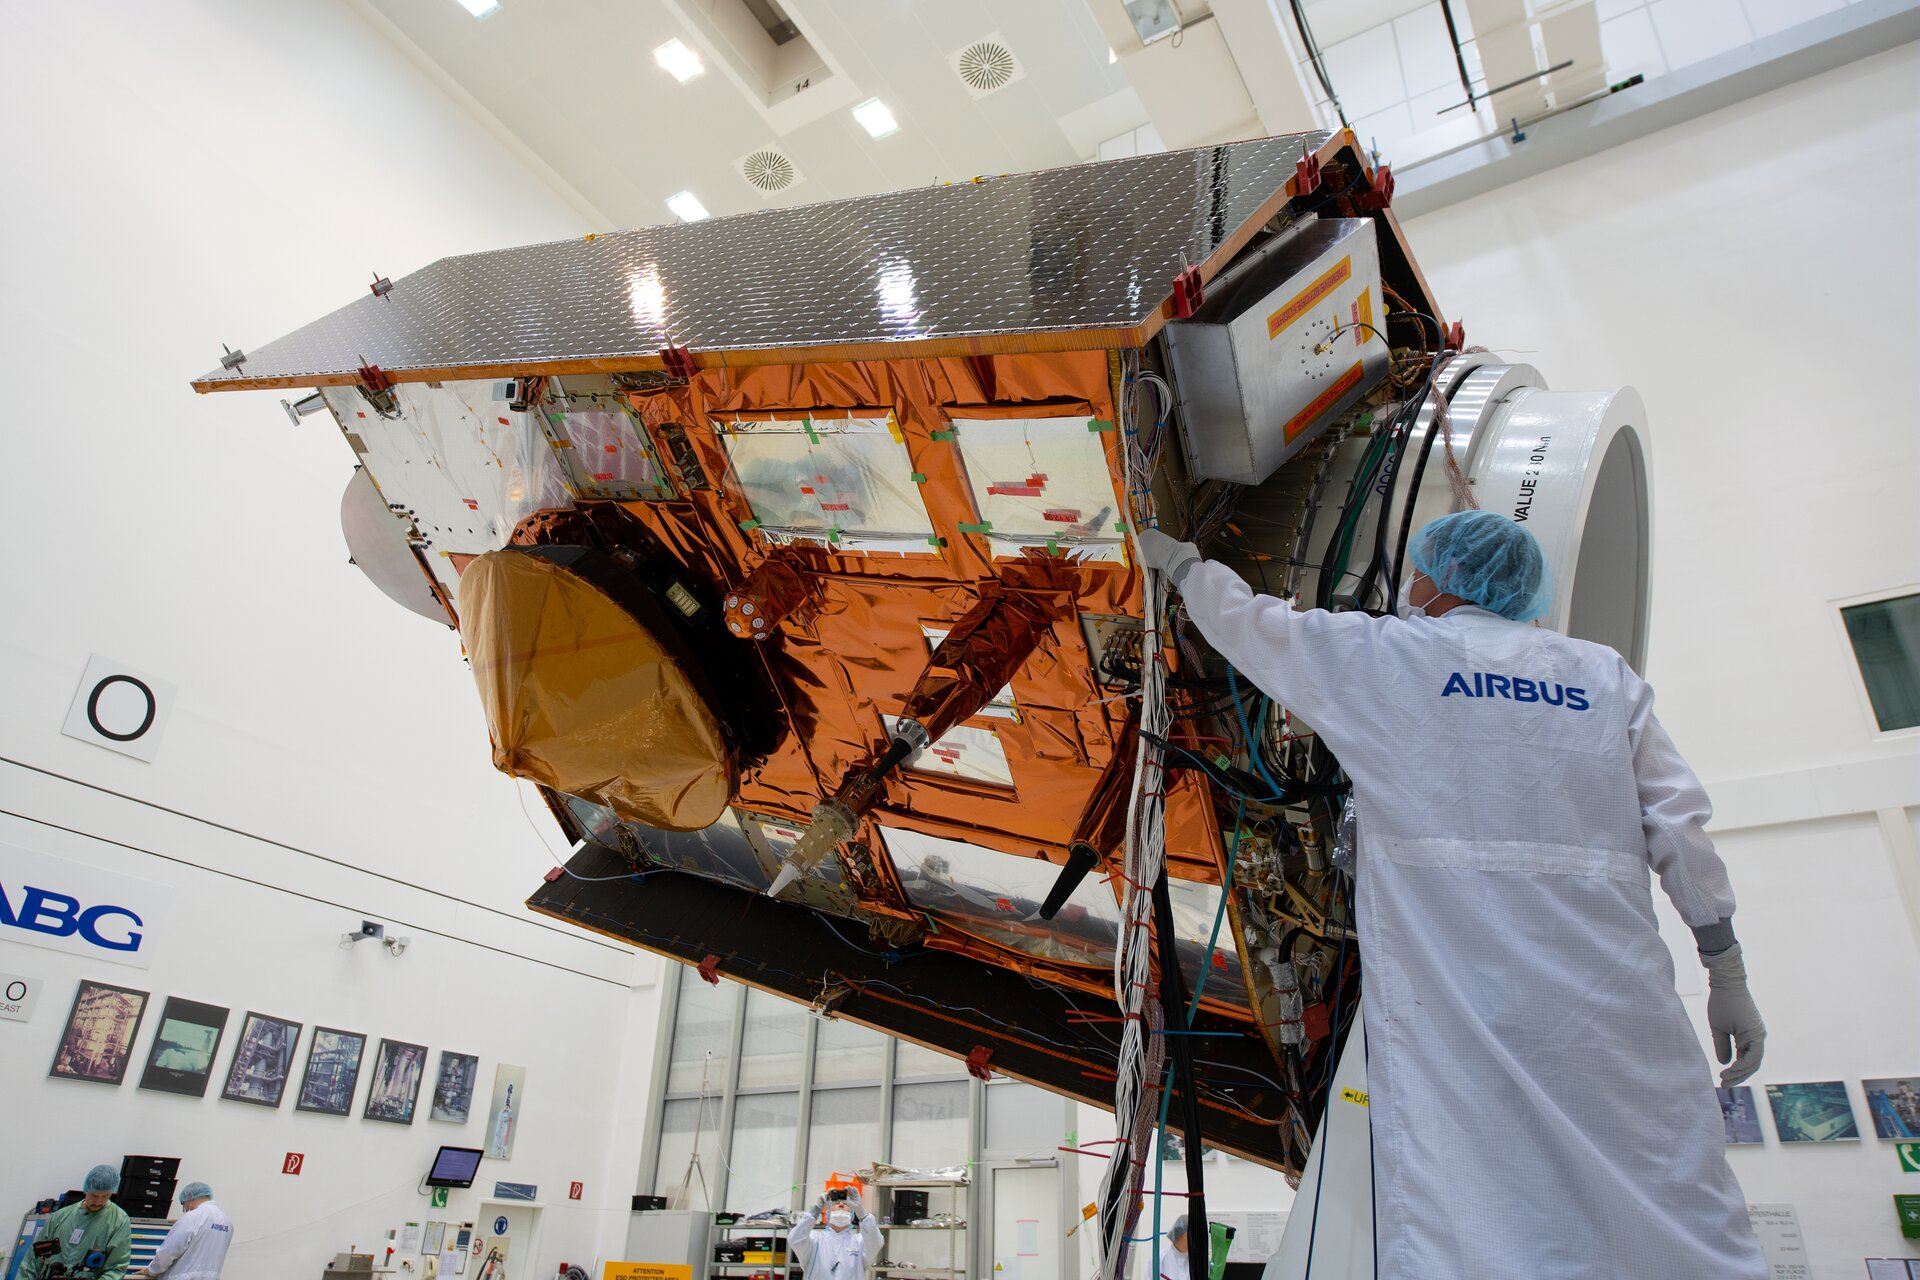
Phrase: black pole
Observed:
(1173, 1004)
(1459, 55)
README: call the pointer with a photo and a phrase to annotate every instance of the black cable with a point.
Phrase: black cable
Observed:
(1319, 66)
(1413, 497)
(1173, 1004)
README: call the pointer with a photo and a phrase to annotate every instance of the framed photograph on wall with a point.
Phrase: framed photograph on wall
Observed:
(503, 1113)
(262, 1060)
(1741, 1116)
(397, 1072)
(453, 1089)
(98, 1040)
(333, 1069)
(181, 1059)
(1816, 1112)
(1894, 1104)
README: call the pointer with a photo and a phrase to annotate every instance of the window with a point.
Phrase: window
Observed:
(845, 1052)
(1024, 1119)
(760, 1165)
(930, 1124)
(1886, 643)
(702, 1036)
(679, 1120)
(773, 1042)
(844, 1134)
(911, 1062)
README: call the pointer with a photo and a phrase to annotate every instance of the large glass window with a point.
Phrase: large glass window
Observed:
(930, 1128)
(1886, 644)
(843, 1134)
(1024, 1120)
(773, 1042)
(702, 1035)
(910, 1062)
(760, 1165)
(845, 1052)
(680, 1120)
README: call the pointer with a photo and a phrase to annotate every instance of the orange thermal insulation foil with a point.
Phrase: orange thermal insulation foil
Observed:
(581, 697)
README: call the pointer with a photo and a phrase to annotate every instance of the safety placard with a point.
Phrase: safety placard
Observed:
(646, 1271)
(1909, 1154)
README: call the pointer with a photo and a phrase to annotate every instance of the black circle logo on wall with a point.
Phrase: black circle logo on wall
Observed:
(93, 708)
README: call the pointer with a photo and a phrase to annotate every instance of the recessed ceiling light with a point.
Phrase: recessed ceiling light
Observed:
(682, 63)
(1112, 57)
(479, 8)
(687, 206)
(875, 118)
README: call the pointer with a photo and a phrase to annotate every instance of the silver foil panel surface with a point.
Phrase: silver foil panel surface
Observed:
(1093, 246)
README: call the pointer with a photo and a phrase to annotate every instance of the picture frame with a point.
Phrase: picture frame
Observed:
(262, 1060)
(453, 1087)
(332, 1073)
(185, 1047)
(1893, 1103)
(96, 1045)
(1816, 1111)
(394, 1089)
(1740, 1116)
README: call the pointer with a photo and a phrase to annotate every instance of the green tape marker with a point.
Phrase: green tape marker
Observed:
(1053, 546)
(1223, 762)
(943, 435)
(985, 526)
(806, 425)
(748, 526)
(1099, 424)
(918, 477)
(1121, 527)
(833, 535)
(936, 541)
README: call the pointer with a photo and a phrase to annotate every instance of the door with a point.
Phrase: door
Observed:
(1026, 1240)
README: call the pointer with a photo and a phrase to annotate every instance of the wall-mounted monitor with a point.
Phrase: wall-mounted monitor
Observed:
(454, 1167)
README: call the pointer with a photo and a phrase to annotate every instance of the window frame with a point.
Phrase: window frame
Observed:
(1863, 698)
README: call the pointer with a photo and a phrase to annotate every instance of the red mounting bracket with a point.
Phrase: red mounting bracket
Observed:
(1188, 293)
(1306, 173)
(372, 380)
(1457, 336)
(977, 1062)
(1381, 194)
(707, 971)
(678, 360)
(554, 874)
(1316, 1020)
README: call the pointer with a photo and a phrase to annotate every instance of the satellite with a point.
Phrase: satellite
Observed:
(792, 554)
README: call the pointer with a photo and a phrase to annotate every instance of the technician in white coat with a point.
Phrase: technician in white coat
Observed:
(836, 1248)
(196, 1247)
(1540, 1107)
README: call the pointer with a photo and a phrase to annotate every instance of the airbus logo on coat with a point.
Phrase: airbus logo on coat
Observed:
(1486, 684)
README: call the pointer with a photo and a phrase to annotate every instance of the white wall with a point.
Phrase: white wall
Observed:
(1753, 273)
(183, 175)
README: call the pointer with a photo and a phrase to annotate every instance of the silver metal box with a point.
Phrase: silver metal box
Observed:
(1286, 341)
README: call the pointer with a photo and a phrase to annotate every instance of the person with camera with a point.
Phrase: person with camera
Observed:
(89, 1238)
(836, 1239)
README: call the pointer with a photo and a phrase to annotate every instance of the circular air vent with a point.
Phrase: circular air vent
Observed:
(986, 65)
(768, 170)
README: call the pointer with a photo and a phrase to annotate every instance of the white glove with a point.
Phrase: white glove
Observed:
(1170, 556)
(1738, 1034)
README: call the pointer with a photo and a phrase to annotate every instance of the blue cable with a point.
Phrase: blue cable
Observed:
(1253, 747)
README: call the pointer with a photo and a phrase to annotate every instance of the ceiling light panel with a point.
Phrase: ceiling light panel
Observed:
(479, 8)
(687, 207)
(875, 118)
(674, 57)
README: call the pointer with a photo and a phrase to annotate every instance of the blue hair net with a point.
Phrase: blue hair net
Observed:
(1179, 1228)
(194, 1190)
(102, 1177)
(1488, 560)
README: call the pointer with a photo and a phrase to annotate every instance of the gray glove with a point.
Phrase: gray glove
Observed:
(1738, 1034)
(1170, 556)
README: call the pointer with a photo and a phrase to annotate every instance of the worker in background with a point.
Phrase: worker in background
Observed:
(1540, 1105)
(91, 1236)
(836, 1239)
(196, 1247)
(1173, 1258)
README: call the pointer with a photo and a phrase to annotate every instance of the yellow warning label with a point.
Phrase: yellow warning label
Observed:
(1310, 297)
(646, 1271)
(1358, 1097)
